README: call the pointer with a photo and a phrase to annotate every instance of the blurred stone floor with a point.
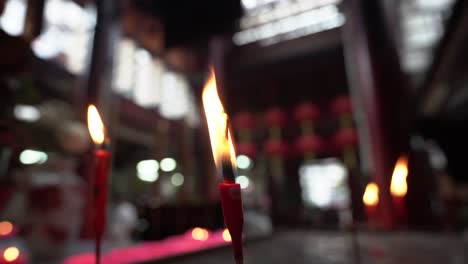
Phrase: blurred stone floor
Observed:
(302, 247)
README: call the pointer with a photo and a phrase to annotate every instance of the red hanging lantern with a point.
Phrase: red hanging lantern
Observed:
(275, 147)
(341, 105)
(275, 117)
(247, 149)
(345, 137)
(306, 112)
(244, 120)
(309, 144)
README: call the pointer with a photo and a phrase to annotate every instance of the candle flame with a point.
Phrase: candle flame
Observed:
(371, 194)
(227, 235)
(398, 185)
(95, 125)
(220, 134)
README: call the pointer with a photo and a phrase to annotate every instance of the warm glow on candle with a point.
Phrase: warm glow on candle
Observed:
(371, 195)
(217, 121)
(11, 254)
(5, 228)
(95, 125)
(398, 185)
(226, 235)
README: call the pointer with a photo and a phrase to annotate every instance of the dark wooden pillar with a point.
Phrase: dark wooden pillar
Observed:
(379, 93)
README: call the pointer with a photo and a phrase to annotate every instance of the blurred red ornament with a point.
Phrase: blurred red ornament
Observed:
(276, 147)
(247, 149)
(341, 105)
(275, 117)
(306, 111)
(244, 120)
(309, 143)
(345, 137)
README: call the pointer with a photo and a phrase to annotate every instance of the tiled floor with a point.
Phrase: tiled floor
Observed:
(299, 247)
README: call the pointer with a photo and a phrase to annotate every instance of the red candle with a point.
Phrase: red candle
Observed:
(100, 191)
(231, 202)
(100, 184)
(225, 160)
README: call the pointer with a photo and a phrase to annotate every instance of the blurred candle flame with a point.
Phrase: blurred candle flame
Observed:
(11, 254)
(226, 235)
(95, 125)
(398, 185)
(200, 234)
(371, 195)
(221, 140)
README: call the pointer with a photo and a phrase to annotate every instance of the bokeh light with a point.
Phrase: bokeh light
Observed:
(29, 156)
(200, 234)
(244, 162)
(168, 164)
(11, 254)
(147, 170)
(177, 179)
(243, 181)
(6, 228)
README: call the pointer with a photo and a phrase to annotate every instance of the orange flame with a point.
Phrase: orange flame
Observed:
(371, 195)
(95, 125)
(221, 145)
(398, 185)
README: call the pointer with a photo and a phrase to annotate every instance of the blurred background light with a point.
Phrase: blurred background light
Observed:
(148, 176)
(68, 31)
(168, 164)
(322, 183)
(29, 156)
(13, 17)
(147, 170)
(27, 113)
(433, 4)
(124, 67)
(243, 180)
(244, 162)
(175, 96)
(297, 23)
(148, 74)
(177, 179)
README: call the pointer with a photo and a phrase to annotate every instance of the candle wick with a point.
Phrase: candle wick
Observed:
(226, 129)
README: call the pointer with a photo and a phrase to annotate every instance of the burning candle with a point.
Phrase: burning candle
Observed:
(399, 187)
(225, 160)
(371, 201)
(100, 188)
